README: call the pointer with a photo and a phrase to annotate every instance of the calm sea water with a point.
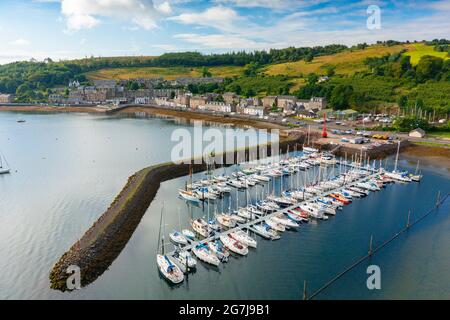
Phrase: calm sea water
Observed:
(67, 168)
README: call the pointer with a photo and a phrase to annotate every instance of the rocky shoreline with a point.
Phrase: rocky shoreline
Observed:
(107, 237)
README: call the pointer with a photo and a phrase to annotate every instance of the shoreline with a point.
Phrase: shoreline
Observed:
(429, 155)
(434, 155)
(53, 109)
(192, 115)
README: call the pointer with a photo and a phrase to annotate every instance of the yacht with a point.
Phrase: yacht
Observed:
(243, 237)
(201, 227)
(221, 252)
(188, 234)
(188, 195)
(225, 220)
(184, 259)
(296, 216)
(4, 169)
(169, 270)
(244, 213)
(233, 245)
(313, 211)
(203, 253)
(266, 231)
(275, 225)
(310, 150)
(178, 238)
(281, 219)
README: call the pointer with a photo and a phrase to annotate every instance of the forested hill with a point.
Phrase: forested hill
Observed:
(42, 75)
(362, 77)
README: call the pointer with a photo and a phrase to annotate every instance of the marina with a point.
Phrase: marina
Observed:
(272, 215)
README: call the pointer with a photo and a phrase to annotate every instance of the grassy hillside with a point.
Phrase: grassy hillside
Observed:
(419, 50)
(346, 63)
(168, 73)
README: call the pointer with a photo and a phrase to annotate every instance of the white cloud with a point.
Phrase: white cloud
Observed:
(440, 5)
(82, 14)
(219, 17)
(20, 42)
(272, 4)
(164, 7)
(165, 47)
(221, 41)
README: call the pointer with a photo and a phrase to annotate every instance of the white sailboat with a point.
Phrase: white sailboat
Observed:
(416, 176)
(177, 237)
(399, 176)
(4, 168)
(184, 259)
(203, 253)
(233, 245)
(168, 269)
(243, 237)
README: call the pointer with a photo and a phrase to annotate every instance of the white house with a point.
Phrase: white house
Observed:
(254, 111)
(417, 133)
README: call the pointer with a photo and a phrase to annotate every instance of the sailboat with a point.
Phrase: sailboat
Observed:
(308, 150)
(184, 259)
(416, 176)
(243, 237)
(166, 266)
(399, 176)
(205, 254)
(186, 194)
(178, 237)
(233, 245)
(3, 165)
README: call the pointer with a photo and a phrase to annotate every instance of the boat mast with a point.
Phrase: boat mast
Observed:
(396, 157)
(159, 234)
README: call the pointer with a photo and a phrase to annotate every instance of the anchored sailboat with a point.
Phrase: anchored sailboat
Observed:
(166, 266)
(4, 168)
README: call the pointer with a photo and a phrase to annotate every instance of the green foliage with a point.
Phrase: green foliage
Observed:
(132, 85)
(406, 124)
(402, 101)
(429, 67)
(340, 97)
(259, 85)
(206, 73)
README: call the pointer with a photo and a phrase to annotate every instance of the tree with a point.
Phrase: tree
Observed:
(312, 78)
(331, 70)
(309, 57)
(402, 101)
(250, 93)
(407, 124)
(206, 73)
(340, 96)
(172, 94)
(428, 68)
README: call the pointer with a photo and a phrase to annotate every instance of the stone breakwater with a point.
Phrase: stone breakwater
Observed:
(107, 237)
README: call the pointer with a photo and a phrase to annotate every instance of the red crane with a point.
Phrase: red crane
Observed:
(324, 132)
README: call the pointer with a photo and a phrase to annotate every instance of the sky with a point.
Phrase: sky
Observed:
(68, 29)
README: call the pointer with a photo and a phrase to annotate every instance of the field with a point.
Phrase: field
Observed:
(347, 62)
(168, 73)
(419, 50)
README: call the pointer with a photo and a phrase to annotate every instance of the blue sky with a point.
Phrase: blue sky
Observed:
(66, 29)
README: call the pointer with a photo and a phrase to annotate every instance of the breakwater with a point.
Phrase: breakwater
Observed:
(94, 252)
